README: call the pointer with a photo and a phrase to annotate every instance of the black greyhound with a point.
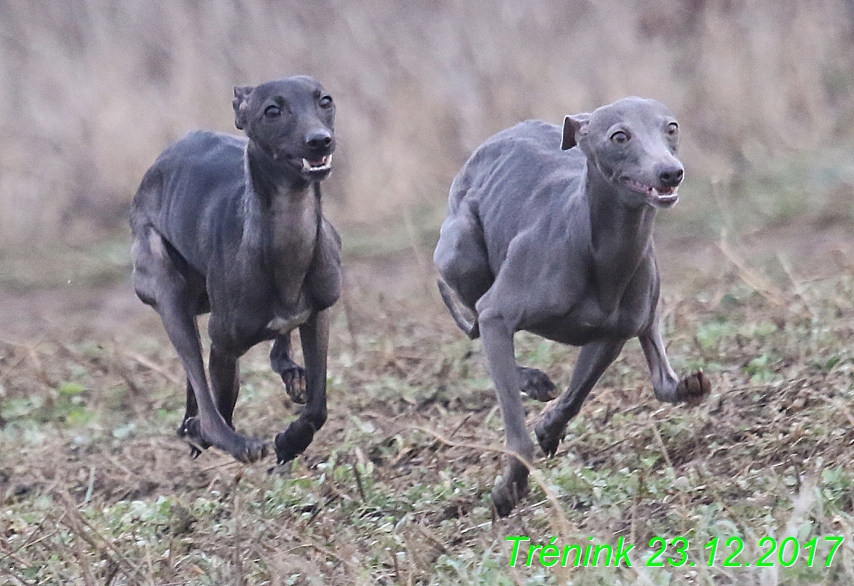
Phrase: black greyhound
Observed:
(233, 226)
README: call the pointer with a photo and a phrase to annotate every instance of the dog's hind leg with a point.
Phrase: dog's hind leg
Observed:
(210, 426)
(292, 374)
(315, 342)
(535, 383)
(498, 346)
(467, 323)
(191, 411)
(175, 295)
(225, 382)
(463, 262)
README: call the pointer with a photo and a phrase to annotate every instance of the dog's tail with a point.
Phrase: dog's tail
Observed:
(468, 325)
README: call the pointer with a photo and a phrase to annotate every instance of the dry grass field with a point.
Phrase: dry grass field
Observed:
(97, 489)
(757, 262)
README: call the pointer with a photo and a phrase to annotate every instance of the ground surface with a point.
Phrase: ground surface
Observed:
(96, 488)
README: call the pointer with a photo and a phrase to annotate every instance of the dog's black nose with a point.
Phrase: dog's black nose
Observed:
(671, 176)
(318, 141)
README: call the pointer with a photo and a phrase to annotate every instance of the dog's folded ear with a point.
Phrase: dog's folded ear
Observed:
(572, 127)
(241, 103)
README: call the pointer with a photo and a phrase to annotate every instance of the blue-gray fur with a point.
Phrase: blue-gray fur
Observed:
(234, 226)
(549, 230)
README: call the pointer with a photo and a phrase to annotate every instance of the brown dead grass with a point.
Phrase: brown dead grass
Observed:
(394, 490)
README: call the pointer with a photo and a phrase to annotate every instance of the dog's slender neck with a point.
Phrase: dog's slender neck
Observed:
(269, 176)
(621, 236)
(282, 220)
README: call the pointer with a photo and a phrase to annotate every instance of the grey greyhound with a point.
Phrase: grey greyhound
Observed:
(558, 242)
(233, 226)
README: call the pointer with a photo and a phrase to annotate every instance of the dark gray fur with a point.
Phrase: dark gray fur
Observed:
(233, 226)
(550, 231)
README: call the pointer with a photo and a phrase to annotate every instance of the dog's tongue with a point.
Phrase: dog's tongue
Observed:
(317, 162)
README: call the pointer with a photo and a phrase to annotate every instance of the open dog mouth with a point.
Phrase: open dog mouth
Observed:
(665, 197)
(309, 167)
(321, 165)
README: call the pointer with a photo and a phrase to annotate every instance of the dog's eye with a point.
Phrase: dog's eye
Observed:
(272, 111)
(672, 129)
(620, 137)
(325, 102)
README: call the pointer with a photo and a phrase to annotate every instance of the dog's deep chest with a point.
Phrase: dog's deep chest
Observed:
(267, 290)
(294, 226)
(588, 318)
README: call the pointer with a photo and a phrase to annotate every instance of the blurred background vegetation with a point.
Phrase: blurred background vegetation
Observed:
(93, 90)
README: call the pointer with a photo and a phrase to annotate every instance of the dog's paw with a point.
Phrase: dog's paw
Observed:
(295, 386)
(240, 448)
(507, 493)
(250, 451)
(548, 439)
(190, 430)
(294, 440)
(693, 388)
(537, 385)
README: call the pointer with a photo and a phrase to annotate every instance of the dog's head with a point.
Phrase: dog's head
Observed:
(291, 120)
(633, 143)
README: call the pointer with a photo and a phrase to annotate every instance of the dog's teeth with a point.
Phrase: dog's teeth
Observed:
(319, 165)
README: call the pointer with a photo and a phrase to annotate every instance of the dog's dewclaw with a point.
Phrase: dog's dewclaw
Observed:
(694, 387)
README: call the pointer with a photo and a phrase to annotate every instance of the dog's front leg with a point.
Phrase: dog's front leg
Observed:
(592, 362)
(315, 343)
(498, 345)
(292, 374)
(665, 383)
